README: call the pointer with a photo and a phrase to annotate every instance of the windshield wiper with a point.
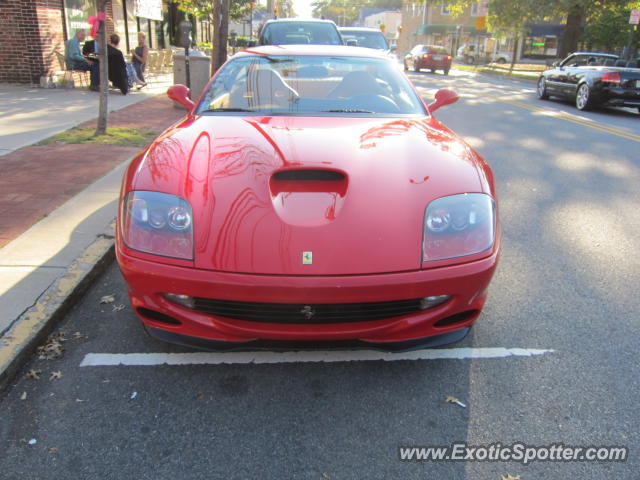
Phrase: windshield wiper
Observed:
(347, 110)
(228, 109)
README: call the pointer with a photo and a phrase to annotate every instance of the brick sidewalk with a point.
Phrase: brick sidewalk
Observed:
(34, 180)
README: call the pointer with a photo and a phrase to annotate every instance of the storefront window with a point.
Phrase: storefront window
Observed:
(546, 46)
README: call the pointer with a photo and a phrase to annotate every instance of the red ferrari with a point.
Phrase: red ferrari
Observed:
(308, 199)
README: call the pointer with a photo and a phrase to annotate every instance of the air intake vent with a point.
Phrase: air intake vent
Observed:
(309, 175)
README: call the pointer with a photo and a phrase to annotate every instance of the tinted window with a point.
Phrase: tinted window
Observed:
(300, 33)
(310, 85)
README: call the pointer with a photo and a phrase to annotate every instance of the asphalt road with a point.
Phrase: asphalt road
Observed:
(568, 185)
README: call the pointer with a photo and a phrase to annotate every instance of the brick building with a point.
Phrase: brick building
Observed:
(433, 24)
(32, 31)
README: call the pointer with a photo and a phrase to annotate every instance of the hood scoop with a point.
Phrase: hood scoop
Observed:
(308, 197)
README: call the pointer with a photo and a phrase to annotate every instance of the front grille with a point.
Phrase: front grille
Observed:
(306, 313)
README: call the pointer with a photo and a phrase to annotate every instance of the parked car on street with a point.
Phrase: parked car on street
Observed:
(593, 80)
(308, 196)
(469, 53)
(293, 31)
(432, 57)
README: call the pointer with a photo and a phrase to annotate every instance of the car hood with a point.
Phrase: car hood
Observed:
(309, 195)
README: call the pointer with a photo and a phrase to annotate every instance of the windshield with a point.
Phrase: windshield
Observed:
(366, 39)
(300, 33)
(310, 85)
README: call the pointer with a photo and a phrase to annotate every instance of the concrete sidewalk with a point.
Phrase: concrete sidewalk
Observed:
(57, 203)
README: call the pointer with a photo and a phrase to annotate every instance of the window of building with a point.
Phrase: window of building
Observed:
(444, 10)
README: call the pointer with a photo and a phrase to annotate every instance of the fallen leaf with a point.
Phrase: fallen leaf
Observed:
(456, 401)
(108, 299)
(324, 475)
(53, 450)
(199, 396)
(34, 374)
(509, 477)
(79, 336)
(23, 396)
(117, 308)
(55, 375)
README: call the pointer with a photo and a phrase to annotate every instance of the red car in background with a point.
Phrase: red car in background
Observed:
(309, 198)
(432, 57)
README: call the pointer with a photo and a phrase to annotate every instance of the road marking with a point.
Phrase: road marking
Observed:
(209, 358)
(572, 118)
(560, 115)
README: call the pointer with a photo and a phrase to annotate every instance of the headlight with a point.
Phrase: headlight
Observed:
(157, 223)
(457, 226)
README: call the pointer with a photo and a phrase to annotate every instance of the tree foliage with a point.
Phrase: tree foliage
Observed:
(605, 20)
(203, 9)
(345, 12)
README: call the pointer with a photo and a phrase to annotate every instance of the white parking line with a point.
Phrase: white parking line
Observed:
(207, 358)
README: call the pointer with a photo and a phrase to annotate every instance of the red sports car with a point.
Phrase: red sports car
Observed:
(432, 57)
(308, 199)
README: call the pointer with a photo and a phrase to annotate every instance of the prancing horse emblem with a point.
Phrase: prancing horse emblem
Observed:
(307, 258)
(308, 312)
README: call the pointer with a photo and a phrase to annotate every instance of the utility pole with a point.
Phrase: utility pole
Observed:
(103, 59)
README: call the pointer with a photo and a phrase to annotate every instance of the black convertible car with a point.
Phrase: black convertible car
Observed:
(592, 80)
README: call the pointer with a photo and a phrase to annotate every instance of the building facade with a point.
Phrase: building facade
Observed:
(32, 31)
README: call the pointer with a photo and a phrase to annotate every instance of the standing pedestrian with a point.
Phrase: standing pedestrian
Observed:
(140, 55)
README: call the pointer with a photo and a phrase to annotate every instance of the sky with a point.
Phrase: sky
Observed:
(302, 7)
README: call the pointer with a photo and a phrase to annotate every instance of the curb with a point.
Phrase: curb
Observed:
(32, 327)
(502, 75)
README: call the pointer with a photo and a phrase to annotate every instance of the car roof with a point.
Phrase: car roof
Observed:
(299, 20)
(319, 50)
(359, 29)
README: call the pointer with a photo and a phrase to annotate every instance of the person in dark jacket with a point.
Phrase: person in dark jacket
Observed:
(117, 65)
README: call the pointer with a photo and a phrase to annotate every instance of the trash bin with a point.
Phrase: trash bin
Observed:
(199, 72)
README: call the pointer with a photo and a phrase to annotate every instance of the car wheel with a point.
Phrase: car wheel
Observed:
(406, 67)
(416, 67)
(584, 100)
(446, 71)
(501, 60)
(542, 89)
(433, 70)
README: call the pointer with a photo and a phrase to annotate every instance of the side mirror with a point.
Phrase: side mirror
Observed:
(352, 42)
(180, 93)
(443, 97)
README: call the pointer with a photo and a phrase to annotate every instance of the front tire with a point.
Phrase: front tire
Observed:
(541, 90)
(584, 98)
(416, 67)
(446, 71)
(406, 67)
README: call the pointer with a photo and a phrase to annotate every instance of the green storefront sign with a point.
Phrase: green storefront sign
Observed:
(77, 13)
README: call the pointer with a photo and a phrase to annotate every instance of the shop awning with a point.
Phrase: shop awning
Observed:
(544, 30)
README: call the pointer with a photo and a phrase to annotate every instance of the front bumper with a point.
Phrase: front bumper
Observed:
(148, 281)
